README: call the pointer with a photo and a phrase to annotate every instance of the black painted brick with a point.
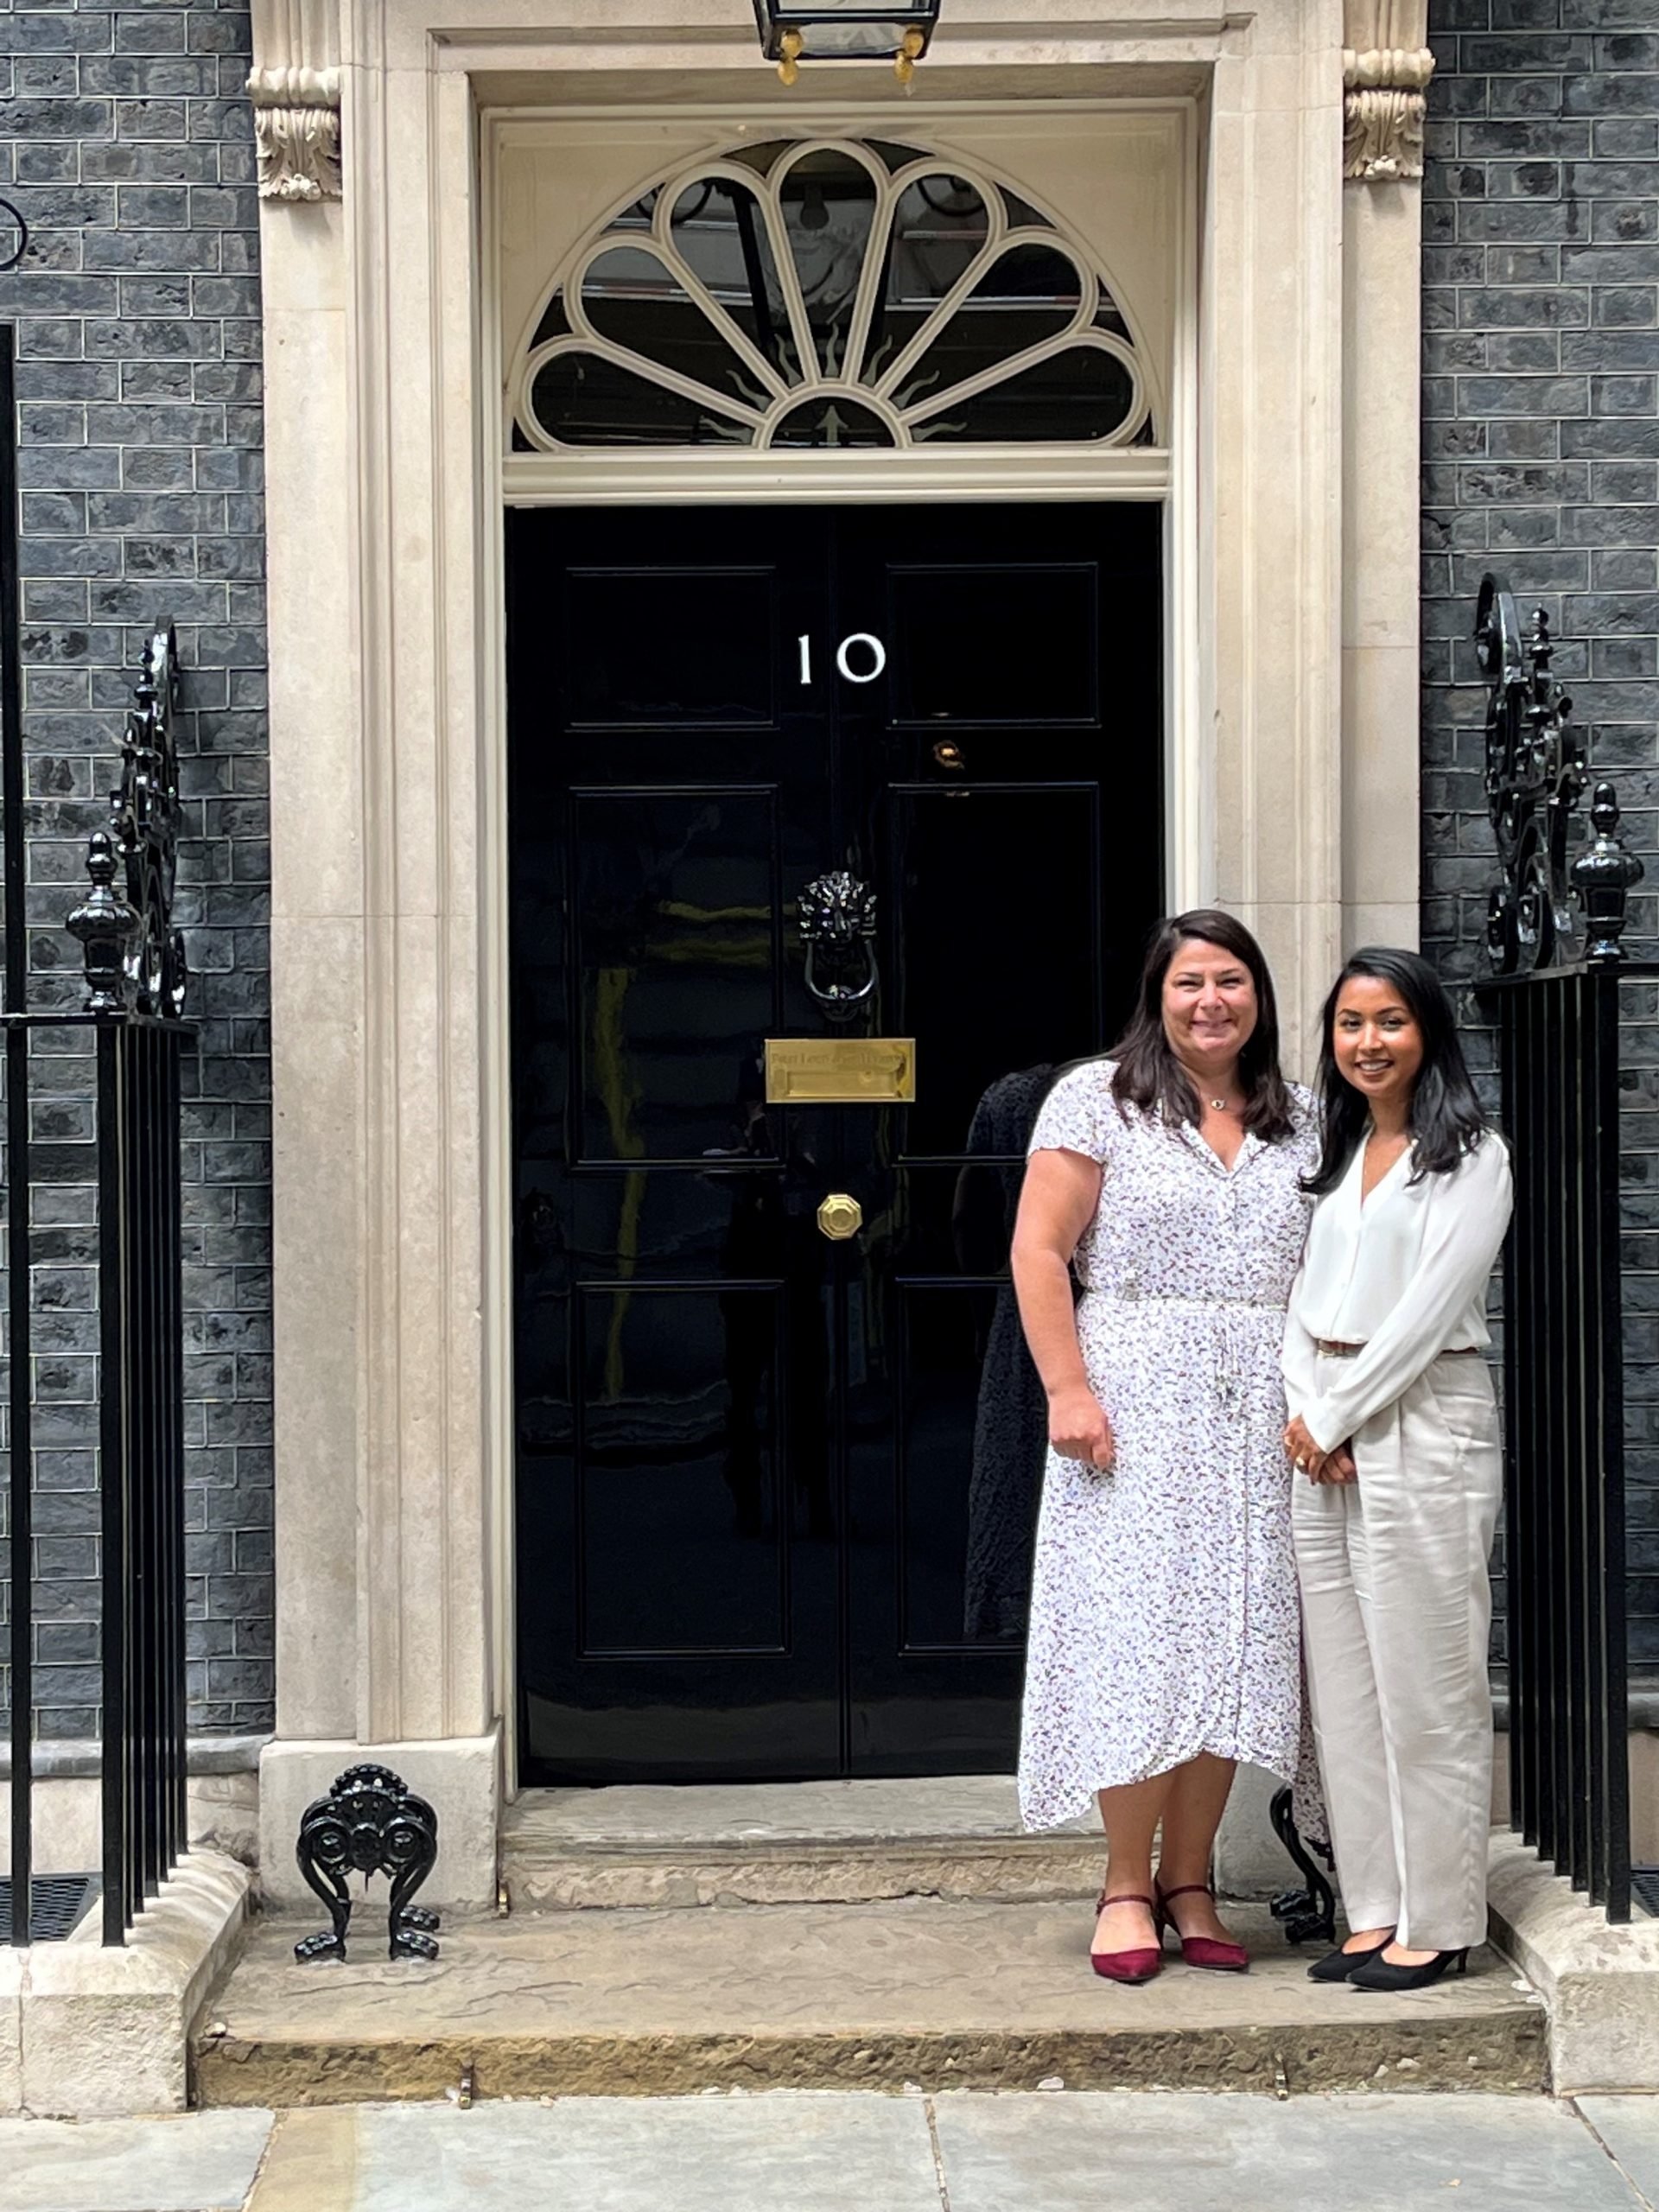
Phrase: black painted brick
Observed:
(137, 309)
(1540, 212)
(131, 144)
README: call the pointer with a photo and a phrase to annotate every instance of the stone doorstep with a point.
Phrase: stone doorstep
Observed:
(786, 1843)
(1600, 1983)
(829, 1842)
(973, 1994)
(90, 2032)
(1034, 1868)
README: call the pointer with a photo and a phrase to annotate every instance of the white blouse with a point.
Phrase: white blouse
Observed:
(1403, 1273)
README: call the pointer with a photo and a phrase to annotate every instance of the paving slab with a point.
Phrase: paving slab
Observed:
(823, 2153)
(188, 2162)
(967, 1994)
(1185, 2153)
(1630, 2128)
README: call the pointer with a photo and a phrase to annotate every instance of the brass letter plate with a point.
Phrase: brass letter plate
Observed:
(841, 1071)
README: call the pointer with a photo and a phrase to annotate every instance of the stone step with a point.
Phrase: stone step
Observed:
(788, 1843)
(915, 1992)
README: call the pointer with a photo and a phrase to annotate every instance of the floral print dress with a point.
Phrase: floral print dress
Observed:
(1164, 1617)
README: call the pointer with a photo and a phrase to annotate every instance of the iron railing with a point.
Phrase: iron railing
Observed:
(1554, 934)
(128, 1029)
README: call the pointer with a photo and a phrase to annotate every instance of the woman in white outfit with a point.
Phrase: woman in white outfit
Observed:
(1394, 1429)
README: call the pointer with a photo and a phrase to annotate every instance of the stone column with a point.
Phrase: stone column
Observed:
(382, 1612)
(1270, 447)
(1386, 66)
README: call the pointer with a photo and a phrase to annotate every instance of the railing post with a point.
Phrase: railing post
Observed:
(20, 1436)
(114, 1492)
(1607, 1653)
(1564, 1410)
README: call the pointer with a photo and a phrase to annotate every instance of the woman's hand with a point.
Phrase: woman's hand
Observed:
(1339, 1467)
(1336, 1466)
(1078, 1428)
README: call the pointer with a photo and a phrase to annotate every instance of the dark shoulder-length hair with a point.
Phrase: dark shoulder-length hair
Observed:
(1447, 1118)
(1148, 1073)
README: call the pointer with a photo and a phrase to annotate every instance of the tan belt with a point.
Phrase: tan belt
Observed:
(1333, 1351)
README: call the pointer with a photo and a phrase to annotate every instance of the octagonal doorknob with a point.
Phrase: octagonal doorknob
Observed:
(839, 1217)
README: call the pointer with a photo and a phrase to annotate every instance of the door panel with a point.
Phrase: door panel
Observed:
(625, 632)
(675, 907)
(994, 647)
(680, 1433)
(776, 1493)
(995, 949)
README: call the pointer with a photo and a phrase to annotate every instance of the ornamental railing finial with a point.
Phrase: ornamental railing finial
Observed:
(135, 956)
(1537, 771)
(1603, 875)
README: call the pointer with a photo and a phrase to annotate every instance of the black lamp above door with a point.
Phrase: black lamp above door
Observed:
(845, 30)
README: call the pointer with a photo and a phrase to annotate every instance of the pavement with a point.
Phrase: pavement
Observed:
(1120, 2151)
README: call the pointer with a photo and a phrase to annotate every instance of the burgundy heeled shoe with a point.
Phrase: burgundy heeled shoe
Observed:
(1130, 1966)
(1200, 1950)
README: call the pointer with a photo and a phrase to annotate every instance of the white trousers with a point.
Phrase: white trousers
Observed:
(1396, 1612)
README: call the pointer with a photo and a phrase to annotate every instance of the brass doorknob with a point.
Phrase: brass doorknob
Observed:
(839, 1217)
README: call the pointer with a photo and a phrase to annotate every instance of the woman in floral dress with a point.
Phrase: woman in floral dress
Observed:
(1165, 1639)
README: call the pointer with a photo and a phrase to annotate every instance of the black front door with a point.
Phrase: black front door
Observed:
(776, 1490)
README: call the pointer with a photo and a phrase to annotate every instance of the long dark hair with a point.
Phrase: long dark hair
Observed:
(1446, 1120)
(1148, 1073)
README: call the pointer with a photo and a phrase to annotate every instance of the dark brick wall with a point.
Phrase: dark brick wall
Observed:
(128, 145)
(1541, 460)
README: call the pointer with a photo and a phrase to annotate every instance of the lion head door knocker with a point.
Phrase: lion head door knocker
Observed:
(837, 914)
(371, 1823)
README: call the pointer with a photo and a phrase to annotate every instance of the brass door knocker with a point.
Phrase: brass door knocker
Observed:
(837, 916)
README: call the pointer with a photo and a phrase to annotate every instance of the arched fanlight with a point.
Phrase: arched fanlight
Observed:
(800, 292)
(845, 30)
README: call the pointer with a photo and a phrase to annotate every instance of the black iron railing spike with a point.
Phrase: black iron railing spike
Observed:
(1537, 771)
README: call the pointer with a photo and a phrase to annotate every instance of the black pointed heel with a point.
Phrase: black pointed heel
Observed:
(1342, 1966)
(1377, 1973)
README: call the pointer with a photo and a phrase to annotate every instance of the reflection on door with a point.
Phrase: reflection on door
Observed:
(777, 1487)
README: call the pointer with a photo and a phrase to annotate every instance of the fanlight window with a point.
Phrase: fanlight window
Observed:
(830, 294)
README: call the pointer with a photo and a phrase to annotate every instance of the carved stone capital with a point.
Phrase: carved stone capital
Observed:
(1386, 66)
(294, 88)
(1384, 106)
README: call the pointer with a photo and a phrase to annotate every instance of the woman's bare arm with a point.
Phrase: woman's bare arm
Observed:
(1062, 1190)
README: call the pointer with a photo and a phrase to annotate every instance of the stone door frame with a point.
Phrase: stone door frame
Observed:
(1292, 562)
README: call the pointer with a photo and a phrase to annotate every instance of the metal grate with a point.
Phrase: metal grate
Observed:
(56, 1903)
(1644, 1888)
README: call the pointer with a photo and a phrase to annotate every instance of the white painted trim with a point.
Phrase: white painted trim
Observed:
(1189, 771)
(500, 1404)
(716, 476)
